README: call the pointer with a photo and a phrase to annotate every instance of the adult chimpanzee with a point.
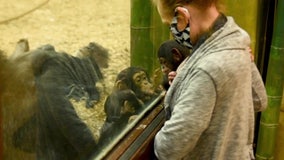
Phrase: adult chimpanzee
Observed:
(3, 67)
(96, 53)
(3, 63)
(18, 101)
(132, 91)
(170, 55)
(59, 77)
(62, 134)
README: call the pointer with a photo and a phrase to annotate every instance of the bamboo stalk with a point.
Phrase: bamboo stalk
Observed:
(147, 33)
(160, 33)
(141, 46)
(279, 154)
(274, 85)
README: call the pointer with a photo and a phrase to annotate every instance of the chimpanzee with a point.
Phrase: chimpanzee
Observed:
(3, 63)
(96, 53)
(3, 67)
(170, 55)
(18, 100)
(119, 107)
(137, 80)
(21, 48)
(57, 77)
(132, 91)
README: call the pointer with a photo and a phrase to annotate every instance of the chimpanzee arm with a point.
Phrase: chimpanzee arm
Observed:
(60, 129)
(115, 119)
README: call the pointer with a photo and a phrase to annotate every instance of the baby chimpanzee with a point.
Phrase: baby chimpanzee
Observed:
(132, 91)
(170, 55)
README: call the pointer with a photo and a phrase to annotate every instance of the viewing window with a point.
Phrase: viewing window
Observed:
(68, 87)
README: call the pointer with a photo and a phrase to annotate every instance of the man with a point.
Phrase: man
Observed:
(210, 106)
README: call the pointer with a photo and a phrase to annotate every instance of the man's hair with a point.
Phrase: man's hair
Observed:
(166, 8)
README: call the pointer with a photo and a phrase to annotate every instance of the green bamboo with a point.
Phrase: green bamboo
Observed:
(141, 46)
(274, 85)
(160, 33)
(279, 154)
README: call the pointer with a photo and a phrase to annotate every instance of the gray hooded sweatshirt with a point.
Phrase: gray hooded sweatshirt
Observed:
(213, 100)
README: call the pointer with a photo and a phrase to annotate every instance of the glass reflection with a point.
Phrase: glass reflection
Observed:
(67, 88)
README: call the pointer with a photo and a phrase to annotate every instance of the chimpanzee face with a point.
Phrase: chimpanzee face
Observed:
(142, 82)
(166, 66)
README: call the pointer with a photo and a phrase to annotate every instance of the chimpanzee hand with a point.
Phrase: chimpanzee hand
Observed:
(78, 93)
(132, 118)
(251, 54)
(171, 76)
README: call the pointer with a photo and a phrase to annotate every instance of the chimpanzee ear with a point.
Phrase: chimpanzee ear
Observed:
(120, 85)
(177, 56)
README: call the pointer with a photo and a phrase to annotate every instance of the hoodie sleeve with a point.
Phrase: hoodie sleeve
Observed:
(190, 117)
(258, 90)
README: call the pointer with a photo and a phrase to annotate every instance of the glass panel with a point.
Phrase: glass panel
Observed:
(67, 88)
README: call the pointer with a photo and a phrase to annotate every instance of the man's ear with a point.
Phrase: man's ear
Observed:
(177, 56)
(184, 14)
